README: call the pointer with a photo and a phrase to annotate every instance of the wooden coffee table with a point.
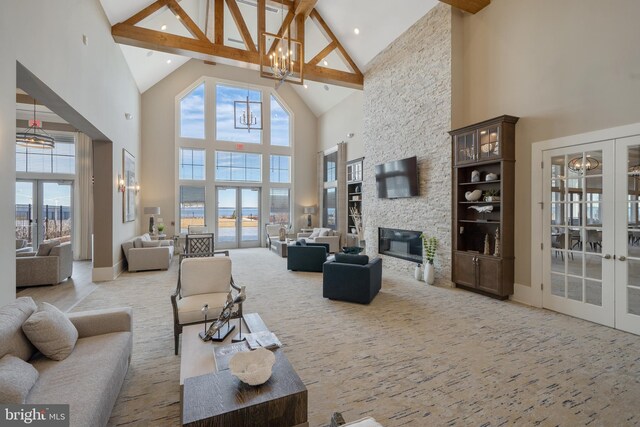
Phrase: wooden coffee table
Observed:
(217, 398)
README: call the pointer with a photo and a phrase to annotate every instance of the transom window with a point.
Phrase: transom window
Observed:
(225, 129)
(60, 159)
(192, 164)
(330, 162)
(233, 166)
(280, 169)
(280, 206)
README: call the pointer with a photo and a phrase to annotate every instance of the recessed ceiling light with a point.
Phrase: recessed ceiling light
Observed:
(150, 53)
(325, 63)
(306, 86)
(168, 61)
(356, 30)
(164, 27)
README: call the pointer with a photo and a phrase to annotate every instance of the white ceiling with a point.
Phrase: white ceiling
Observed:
(379, 21)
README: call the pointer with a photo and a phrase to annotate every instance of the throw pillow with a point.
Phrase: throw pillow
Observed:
(45, 247)
(51, 331)
(17, 377)
(146, 237)
(315, 233)
(151, 244)
(137, 242)
(352, 259)
(325, 232)
(12, 339)
(166, 242)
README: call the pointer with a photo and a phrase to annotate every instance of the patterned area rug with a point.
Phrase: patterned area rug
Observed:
(417, 355)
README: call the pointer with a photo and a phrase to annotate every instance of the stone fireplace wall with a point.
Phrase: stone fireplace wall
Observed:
(407, 112)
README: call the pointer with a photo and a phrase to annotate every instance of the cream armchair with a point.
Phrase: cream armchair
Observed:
(48, 268)
(323, 235)
(201, 280)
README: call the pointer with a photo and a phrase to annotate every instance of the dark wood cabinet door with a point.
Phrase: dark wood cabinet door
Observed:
(490, 275)
(464, 272)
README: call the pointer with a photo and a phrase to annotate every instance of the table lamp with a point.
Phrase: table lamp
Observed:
(309, 210)
(151, 211)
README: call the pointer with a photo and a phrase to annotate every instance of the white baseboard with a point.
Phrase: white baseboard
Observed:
(102, 274)
(526, 295)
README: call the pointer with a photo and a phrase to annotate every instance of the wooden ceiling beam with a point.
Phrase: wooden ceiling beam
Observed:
(242, 26)
(286, 3)
(324, 28)
(334, 77)
(471, 6)
(26, 99)
(219, 22)
(304, 7)
(262, 24)
(323, 53)
(178, 45)
(186, 20)
(149, 10)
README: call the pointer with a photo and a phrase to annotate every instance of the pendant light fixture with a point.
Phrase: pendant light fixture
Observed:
(282, 61)
(34, 136)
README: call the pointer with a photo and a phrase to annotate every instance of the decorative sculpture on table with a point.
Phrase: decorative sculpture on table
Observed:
(475, 176)
(497, 249)
(227, 313)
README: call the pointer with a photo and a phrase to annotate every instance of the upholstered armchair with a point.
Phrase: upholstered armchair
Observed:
(49, 266)
(201, 280)
(352, 278)
(323, 235)
(304, 256)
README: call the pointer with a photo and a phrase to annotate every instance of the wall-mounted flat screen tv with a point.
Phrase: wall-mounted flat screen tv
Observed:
(397, 179)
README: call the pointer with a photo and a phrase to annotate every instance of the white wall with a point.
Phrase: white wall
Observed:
(158, 138)
(564, 67)
(344, 118)
(46, 37)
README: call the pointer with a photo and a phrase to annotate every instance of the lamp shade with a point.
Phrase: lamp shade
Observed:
(152, 211)
(310, 210)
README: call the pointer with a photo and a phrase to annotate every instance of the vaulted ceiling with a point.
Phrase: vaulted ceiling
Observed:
(331, 43)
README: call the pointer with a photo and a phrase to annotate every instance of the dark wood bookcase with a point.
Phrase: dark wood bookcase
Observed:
(488, 148)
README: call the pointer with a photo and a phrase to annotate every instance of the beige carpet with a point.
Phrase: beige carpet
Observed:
(417, 355)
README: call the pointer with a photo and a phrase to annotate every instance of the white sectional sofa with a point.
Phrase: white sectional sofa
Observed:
(323, 235)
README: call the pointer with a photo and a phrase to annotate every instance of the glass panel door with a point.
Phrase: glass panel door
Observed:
(226, 215)
(55, 211)
(26, 213)
(250, 221)
(628, 235)
(579, 237)
(237, 217)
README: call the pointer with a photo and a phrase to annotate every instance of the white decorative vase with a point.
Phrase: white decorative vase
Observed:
(473, 196)
(429, 273)
(418, 273)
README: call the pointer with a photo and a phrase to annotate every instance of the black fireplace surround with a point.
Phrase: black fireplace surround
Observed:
(403, 244)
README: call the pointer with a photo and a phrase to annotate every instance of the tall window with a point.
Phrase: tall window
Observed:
(60, 159)
(279, 170)
(280, 206)
(330, 207)
(330, 163)
(192, 164)
(233, 166)
(192, 114)
(225, 130)
(192, 207)
(279, 124)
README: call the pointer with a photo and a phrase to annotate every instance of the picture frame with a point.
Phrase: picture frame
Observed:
(129, 194)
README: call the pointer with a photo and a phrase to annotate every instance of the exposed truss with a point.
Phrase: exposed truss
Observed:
(471, 6)
(209, 45)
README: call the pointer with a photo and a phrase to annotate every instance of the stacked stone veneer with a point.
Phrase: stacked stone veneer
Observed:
(407, 112)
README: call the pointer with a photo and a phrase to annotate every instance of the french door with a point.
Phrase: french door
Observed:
(44, 211)
(237, 217)
(591, 214)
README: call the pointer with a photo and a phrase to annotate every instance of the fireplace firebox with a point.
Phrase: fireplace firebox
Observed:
(403, 244)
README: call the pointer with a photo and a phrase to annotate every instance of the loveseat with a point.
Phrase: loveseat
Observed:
(88, 379)
(52, 264)
(143, 253)
(323, 235)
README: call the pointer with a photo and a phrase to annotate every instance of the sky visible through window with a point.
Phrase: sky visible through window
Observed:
(225, 96)
(192, 114)
(279, 124)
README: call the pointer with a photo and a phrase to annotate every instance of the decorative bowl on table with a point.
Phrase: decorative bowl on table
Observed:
(352, 249)
(252, 367)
